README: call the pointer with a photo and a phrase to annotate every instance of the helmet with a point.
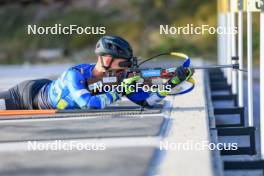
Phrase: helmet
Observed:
(115, 46)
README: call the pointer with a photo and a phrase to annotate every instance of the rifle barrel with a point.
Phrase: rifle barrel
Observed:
(233, 66)
(212, 66)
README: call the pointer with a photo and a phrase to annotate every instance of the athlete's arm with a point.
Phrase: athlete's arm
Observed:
(76, 84)
(151, 98)
(140, 97)
(147, 99)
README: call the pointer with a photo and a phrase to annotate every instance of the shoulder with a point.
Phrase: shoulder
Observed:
(78, 73)
(84, 69)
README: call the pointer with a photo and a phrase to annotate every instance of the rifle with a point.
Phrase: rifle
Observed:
(150, 74)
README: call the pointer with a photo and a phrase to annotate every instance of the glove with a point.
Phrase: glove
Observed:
(126, 85)
(184, 87)
(182, 74)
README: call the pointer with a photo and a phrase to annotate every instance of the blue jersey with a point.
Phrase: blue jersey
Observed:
(70, 91)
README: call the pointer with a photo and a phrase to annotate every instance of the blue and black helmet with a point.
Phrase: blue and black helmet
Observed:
(115, 46)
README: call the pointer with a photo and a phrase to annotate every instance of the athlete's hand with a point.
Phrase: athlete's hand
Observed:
(128, 85)
(182, 74)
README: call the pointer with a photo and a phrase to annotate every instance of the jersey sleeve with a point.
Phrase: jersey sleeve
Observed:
(75, 82)
(143, 98)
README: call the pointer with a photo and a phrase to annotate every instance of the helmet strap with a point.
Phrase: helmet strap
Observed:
(129, 63)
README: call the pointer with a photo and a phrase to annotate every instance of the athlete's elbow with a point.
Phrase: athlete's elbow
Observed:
(96, 107)
(144, 104)
(96, 103)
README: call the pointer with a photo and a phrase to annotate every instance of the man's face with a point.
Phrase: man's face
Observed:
(115, 63)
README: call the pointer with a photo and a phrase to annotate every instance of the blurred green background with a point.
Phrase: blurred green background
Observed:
(136, 20)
